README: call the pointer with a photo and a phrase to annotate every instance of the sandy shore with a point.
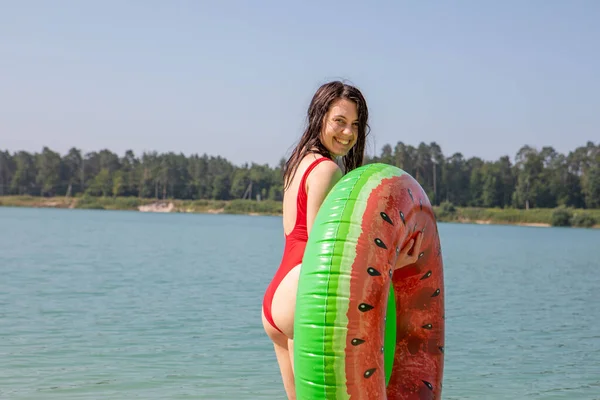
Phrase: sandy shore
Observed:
(161, 206)
(490, 222)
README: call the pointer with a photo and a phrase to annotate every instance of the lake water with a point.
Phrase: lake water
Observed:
(120, 305)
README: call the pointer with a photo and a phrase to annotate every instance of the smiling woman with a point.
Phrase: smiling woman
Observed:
(337, 129)
(341, 130)
(338, 110)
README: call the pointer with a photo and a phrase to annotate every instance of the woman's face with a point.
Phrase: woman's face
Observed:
(340, 127)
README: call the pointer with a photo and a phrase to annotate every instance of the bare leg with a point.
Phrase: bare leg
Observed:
(283, 354)
(282, 312)
(287, 373)
(290, 345)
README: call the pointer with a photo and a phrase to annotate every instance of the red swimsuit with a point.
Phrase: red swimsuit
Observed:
(295, 243)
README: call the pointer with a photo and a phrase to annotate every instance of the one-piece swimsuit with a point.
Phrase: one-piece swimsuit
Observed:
(295, 243)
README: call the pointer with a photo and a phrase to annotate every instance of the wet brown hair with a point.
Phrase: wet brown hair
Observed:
(310, 141)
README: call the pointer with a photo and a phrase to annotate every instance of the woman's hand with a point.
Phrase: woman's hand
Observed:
(404, 258)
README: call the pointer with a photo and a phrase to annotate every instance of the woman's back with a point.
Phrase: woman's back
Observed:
(309, 185)
(315, 174)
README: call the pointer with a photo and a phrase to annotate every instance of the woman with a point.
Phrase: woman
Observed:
(337, 128)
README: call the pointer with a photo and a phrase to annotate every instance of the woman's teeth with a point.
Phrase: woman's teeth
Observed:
(344, 142)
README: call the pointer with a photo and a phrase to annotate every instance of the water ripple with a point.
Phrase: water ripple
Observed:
(119, 304)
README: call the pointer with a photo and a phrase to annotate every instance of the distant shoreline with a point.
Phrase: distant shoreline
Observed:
(465, 215)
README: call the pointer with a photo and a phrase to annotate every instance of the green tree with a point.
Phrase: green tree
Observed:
(538, 178)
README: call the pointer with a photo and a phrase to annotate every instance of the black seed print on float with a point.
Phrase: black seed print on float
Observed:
(436, 293)
(386, 218)
(369, 372)
(441, 348)
(402, 217)
(428, 326)
(421, 204)
(427, 275)
(356, 342)
(429, 385)
(365, 307)
(410, 194)
(379, 243)
(373, 272)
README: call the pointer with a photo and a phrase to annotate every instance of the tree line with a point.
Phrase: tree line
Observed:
(541, 178)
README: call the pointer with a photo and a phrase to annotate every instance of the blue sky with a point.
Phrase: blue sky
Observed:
(227, 77)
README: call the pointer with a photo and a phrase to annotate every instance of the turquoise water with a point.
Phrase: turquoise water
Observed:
(119, 305)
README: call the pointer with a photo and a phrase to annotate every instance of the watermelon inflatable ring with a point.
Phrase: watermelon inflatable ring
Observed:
(361, 330)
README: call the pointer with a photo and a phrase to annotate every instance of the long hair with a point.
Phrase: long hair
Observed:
(310, 141)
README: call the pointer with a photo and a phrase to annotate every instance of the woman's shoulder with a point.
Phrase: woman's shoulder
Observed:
(314, 168)
(325, 171)
(321, 165)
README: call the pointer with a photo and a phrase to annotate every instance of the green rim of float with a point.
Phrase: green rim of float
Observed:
(329, 281)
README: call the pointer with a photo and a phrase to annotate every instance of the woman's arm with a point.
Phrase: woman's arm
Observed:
(319, 183)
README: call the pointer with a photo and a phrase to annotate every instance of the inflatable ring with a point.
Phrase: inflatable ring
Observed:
(361, 330)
